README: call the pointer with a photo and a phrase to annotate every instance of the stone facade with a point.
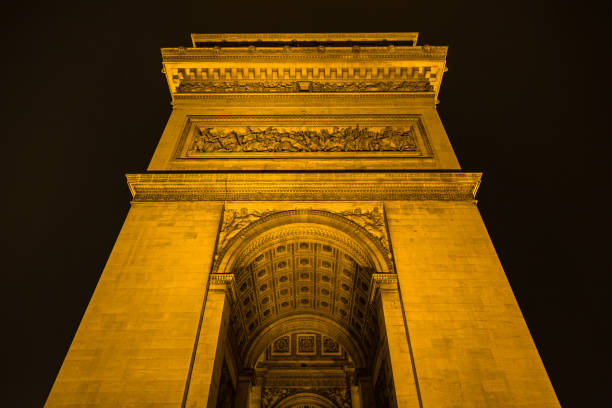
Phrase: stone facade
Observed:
(304, 237)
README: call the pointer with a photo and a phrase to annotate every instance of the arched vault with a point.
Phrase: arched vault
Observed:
(303, 269)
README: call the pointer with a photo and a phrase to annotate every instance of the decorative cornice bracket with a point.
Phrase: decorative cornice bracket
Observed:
(224, 282)
(382, 282)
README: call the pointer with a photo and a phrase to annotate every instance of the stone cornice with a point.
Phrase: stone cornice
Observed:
(286, 63)
(293, 37)
(303, 186)
(312, 99)
(266, 54)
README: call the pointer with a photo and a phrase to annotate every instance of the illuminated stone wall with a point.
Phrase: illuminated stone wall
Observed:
(135, 342)
(304, 189)
(471, 345)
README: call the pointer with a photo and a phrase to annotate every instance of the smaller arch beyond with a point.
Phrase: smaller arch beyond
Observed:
(378, 255)
(305, 399)
(304, 323)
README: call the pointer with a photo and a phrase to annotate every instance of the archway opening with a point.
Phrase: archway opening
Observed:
(303, 319)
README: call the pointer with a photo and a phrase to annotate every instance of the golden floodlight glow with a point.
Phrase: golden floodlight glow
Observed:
(304, 236)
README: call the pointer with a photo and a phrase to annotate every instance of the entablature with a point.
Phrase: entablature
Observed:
(292, 63)
(357, 100)
(303, 186)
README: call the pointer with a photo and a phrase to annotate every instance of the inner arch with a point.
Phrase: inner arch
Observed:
(252, 236)
(303, 277)
(306, 324)
(308, 273)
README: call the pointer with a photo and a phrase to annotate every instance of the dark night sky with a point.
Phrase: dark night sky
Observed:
(523, 102)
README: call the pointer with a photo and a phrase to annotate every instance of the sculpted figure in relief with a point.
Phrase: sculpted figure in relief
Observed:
(234, 221)
(372, 221)
(196, 86)
(272, 139)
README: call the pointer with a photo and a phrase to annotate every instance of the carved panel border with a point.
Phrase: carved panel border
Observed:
(344, 137)
(418, 53)
(290, 99)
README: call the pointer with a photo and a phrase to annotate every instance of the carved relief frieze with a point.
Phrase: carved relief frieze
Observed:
(320, 136)
(274, 139)
(200, 86)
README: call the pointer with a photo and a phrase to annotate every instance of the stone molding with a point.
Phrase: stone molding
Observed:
(293, 37)
(390, 99)
(296, 233)
(382, 281)
(300, 77)
(224, 282)
(425, 52)
(287, 380)
(452, 186)
(370, 221)
(289, 63)
(276, 396)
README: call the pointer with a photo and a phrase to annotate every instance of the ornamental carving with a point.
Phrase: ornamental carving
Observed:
(288, 380)
(273, 139)
(372, 221)
(330, 346)
(306, 344)
(340, 396)
(270, 396)
(281, 346)
(221, 279)
(341, 240)
(369, 221)
(236, 220)
(225, 282)
(385, 279)
(187, 86)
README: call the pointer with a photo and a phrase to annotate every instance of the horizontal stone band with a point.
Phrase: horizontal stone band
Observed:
(303, 186)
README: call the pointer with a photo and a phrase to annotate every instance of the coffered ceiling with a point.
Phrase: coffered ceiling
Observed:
(303, 276)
